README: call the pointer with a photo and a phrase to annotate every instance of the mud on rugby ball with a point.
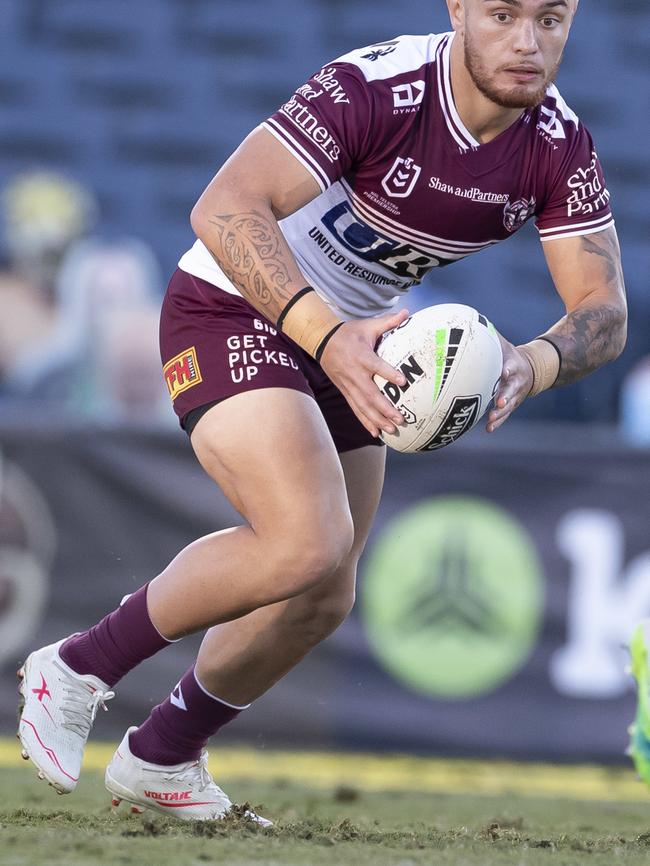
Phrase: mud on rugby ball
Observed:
(451, 357)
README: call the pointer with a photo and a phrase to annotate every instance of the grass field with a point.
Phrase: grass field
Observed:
(340, 810)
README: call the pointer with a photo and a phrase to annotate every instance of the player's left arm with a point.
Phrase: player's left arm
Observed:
(588, 276)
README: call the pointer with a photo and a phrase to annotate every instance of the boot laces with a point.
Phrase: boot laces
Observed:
(79, 708)
(197, 775)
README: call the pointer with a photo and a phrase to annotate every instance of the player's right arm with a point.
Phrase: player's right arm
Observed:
(237, 220)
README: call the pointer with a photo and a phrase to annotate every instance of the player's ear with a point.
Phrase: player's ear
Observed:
(456, 13)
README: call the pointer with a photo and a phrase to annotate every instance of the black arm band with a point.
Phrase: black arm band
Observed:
(292, 301)
(328, 336)
(559, 354)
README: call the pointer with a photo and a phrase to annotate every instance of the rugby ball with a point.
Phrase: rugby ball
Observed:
(451, 357)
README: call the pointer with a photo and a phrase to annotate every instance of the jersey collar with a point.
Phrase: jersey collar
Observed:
(459, 132)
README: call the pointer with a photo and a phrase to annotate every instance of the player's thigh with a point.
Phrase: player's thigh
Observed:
(363, 470)
(272, 455)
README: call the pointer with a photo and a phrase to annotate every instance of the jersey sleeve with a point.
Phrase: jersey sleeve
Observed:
(326, 124)
(578, 201)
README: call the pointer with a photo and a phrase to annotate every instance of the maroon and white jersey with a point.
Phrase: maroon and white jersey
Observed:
(406, 187)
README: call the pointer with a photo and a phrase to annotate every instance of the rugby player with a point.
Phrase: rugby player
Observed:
(390, 161)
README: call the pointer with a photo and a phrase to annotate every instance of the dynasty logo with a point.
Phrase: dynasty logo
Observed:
(406, 97)
(182, 372)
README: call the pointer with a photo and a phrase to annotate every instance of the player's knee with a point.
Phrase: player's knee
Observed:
(309, 553)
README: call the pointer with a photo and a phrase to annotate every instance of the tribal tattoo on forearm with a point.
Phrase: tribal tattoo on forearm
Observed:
(250, 253)
(594, 333)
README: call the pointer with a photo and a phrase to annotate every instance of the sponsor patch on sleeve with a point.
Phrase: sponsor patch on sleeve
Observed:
(182, 372)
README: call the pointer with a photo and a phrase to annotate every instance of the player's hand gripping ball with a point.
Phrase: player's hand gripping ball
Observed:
(451, 357)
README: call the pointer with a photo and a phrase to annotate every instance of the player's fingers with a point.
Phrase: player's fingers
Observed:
(506, 401)
(383, 369)
(500, 422)
(373, 429)
(382, 412)
(387, 322)
(494, 424)
(373, 421)
(363, 417)
(510, 389)
(377, 408)
(371, 407)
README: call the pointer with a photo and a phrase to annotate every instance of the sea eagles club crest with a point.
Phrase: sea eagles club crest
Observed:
(516, 213)
(402, 177)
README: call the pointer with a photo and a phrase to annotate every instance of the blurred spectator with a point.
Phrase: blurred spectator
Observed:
(101, 359)
(42, 214)
(635, 404)
(80, 315)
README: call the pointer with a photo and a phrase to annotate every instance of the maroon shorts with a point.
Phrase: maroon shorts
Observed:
(215, 345)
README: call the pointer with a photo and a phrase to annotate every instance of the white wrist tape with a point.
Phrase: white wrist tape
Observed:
(545, 363)
(308, 322)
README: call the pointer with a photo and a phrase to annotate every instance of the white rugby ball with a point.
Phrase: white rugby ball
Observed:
(451, 357)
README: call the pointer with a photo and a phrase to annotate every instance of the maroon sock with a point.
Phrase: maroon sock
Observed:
(118, 643)
(178, 729)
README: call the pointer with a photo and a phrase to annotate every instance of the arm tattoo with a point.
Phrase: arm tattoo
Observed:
(607, 248)
(594, 332)
(250, 254)
(587, 339)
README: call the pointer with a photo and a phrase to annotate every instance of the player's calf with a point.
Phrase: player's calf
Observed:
(313, 616)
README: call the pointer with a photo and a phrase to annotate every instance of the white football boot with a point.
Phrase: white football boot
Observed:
(185, 791)
(57, 711)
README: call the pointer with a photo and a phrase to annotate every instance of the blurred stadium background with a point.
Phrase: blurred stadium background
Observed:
(502, 576)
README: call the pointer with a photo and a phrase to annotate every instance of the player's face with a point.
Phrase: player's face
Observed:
(513, 48)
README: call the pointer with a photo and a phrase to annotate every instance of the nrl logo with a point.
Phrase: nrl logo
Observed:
(516, 214)
(409, 416)
(401, 179)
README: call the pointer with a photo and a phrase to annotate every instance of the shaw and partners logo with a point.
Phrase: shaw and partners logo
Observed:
(182, 372)
(588, 193)
(472, 193)
(311, 125)
(454, 625)
(329, 84)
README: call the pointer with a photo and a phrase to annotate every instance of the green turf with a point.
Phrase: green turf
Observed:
(336, 828)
